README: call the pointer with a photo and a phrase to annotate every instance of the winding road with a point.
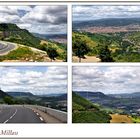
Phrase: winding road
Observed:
(5, 47)
(19, 114)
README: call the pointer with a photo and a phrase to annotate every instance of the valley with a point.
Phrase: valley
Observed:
(117, 29)
(118, 107)
(58, 102)
(109, 39)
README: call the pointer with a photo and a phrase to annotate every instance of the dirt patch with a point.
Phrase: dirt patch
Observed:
(43, 42)
(117, 118)
(88, 59)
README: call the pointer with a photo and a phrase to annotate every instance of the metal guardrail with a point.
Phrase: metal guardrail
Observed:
(60, 115)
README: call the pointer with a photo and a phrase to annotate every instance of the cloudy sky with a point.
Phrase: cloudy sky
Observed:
(38, 80)
(109, 80)
(36, 19)
(86, 12)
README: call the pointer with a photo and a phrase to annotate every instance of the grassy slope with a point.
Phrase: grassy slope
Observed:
(12, 33)
(113, 41)
(86, 112)
(93, 44)
(22, 54)
(21, 36)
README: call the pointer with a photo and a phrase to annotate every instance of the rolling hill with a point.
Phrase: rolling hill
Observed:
(12, 33)
(3, 94)
(28, 46)
(109, 44)
(126, 102)
(126, 95)
(85, 111)
(106, 22)
(20, 94)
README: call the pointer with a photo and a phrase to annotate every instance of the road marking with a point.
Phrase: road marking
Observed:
(11, 116)
(37, 114)
(41, 118)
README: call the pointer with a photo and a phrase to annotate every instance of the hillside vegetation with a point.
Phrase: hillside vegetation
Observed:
(109, 47)
(122, 108)
(56, 102)
(12, 33)
(83, 111)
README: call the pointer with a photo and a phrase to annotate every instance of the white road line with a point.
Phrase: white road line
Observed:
(11, 116)
(41, 118)
(38, 115)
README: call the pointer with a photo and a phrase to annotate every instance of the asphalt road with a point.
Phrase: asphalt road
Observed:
(6, 48)
(19, 114)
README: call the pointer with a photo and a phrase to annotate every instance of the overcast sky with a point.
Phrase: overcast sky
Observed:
(38, 80)
(109, 80)
(36, 19)
(86, 12)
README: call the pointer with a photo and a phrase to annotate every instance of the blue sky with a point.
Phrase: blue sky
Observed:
(36, 19)
(35, 79)
(94, 12)
(109, 80)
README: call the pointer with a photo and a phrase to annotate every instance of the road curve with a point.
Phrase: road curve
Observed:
(6, 47)
(19, 114)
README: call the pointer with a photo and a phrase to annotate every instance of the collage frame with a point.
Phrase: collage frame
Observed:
(54, 130)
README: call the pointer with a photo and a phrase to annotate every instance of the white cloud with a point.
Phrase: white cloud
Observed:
(92, 12)
(107, 79)
(37, 19)
(52, 80)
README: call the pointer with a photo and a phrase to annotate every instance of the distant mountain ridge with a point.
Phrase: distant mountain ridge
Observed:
(106, 22)
(126, 95)
(18, 94)
(50, 36)
(51, 95)
(90, 95)
(3, 94)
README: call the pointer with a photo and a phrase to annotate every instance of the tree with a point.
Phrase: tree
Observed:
(8, 100)
(4, 29)
(52, 52)
(80, 48)
(105, 54)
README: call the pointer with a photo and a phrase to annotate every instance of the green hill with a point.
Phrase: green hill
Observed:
(12, 33)
(121, 47)
(3, 94)
(83, 111)
(80, 37)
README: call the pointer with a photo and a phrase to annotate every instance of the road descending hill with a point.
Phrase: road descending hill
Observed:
(6, 47)
(28, 47)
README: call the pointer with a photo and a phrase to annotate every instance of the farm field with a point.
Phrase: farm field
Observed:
(117, 118)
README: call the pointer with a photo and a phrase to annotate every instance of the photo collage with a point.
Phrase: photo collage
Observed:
(69, 63)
